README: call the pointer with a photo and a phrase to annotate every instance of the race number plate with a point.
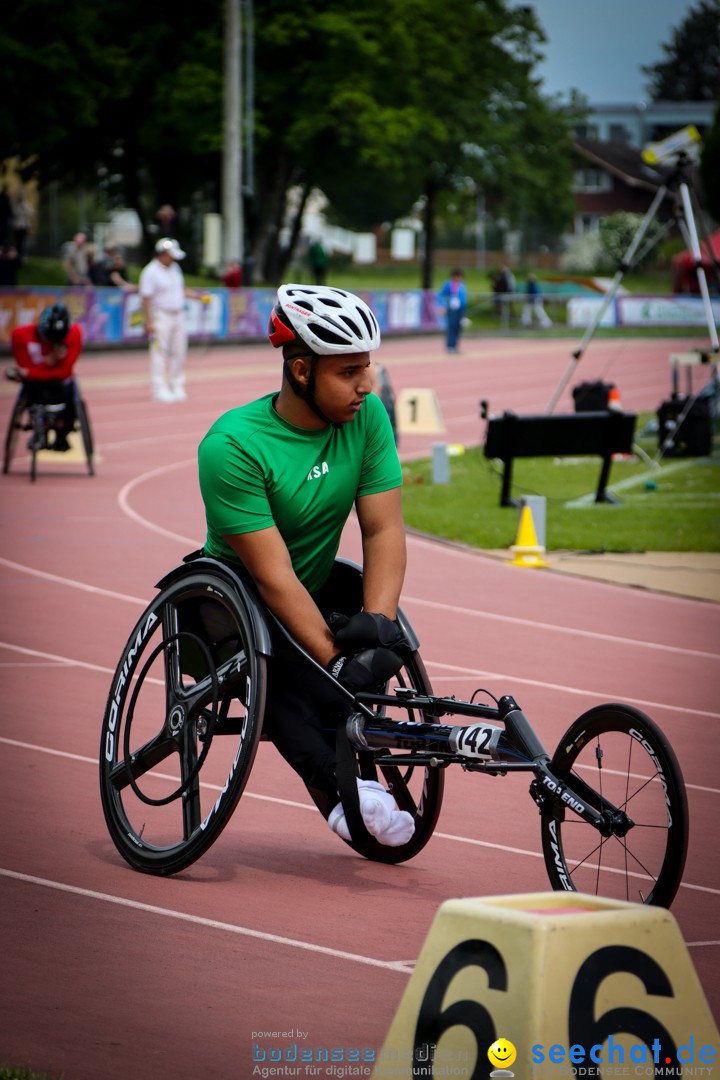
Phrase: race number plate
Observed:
(476, 740)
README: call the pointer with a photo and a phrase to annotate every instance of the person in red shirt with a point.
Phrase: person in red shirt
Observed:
(45, 353)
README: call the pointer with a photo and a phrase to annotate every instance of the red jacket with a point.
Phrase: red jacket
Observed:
(31, 352)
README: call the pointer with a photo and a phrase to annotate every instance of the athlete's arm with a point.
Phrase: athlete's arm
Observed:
(20, 352)
(266, 558)
(384, 552)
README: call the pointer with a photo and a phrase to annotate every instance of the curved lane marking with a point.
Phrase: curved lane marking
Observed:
(515, 679)
(306, 806)
(211, 924)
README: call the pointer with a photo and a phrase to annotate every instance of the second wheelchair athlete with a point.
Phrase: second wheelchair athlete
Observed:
(46, 353)
(279, 478)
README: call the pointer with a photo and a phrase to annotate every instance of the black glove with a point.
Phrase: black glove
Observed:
(368, 629)
(366, 670)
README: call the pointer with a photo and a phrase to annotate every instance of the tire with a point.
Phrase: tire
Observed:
(13, 432)
(38, 427)
(181, 725)
(85, 433)
(417, 789)
(616, 753)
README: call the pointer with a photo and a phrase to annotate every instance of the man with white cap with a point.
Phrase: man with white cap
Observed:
(163, 292)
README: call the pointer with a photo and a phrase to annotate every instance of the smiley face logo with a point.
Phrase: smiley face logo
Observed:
(502, 1054)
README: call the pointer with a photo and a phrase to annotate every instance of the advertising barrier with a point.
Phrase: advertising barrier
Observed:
(110, 316)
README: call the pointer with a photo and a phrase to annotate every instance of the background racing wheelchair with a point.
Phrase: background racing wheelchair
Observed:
(38, 409)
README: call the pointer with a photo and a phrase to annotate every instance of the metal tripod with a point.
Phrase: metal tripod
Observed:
(678, 187)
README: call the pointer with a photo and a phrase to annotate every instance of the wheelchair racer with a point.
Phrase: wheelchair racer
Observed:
(279, 478)
(45, 353)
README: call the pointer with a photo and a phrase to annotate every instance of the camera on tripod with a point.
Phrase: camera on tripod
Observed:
(685, 142)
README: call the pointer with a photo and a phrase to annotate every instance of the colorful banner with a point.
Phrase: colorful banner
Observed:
(114, 317)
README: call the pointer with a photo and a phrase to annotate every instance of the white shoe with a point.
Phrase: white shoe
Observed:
(163, 394)
(179, 394)
(380, 815)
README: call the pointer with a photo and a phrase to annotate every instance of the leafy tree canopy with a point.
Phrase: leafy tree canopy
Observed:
(691, 68)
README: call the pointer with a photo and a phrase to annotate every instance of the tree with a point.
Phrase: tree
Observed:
(386, 102)
(115, 93)
(691, 68)
(377, 104)
(710, 167)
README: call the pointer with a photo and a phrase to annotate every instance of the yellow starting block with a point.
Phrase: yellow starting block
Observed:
(547, 984)
(417, 413)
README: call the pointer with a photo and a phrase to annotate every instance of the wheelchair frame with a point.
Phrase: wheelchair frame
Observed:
(40, 421)
(215, 640)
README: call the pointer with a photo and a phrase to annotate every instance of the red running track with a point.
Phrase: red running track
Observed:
(109, 973)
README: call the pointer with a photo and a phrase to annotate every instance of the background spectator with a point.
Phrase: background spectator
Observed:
(9, 266)
(75, 260)
(167, 221)
(5, 215)
(22, 215)
(533, 307)
(452, 301)
(317, 257)
(117, 268)
(233, 276)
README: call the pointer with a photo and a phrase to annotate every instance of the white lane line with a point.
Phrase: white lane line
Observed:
(72, 583)
(473, 672)
(126, 491)
(603, 696)
(470, 612)
(211, 924)
(506, 848)
(535, 624)
(276, 799)
(62, 660)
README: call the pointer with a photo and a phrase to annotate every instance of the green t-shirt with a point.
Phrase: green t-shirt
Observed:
(256, 471)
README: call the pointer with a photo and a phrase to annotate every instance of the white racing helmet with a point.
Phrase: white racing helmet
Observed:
(329, 321)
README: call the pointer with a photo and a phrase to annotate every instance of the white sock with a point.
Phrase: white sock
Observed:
(380, 815)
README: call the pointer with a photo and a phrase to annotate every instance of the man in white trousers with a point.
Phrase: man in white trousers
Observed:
(163, 293)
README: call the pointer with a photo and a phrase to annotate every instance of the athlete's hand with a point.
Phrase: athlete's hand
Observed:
(366, 670)
(371, 630)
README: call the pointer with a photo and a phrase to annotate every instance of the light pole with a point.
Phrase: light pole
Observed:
(232, 146)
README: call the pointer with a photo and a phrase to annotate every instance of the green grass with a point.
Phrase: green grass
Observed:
(22, 1074)
(681, 513)
(43, 271)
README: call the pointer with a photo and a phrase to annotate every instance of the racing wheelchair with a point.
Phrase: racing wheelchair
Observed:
(184, 717)
(39, 418)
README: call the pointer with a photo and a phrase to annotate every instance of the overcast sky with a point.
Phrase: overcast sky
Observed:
(599, 46)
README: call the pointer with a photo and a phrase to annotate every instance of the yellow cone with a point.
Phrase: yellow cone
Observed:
(526, 550)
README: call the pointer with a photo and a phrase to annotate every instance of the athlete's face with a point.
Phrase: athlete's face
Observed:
(341, 385)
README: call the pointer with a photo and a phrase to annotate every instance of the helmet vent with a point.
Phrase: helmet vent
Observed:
(328, 335)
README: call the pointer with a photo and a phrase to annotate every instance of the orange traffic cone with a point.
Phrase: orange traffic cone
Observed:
(526, 550)
(614, 401)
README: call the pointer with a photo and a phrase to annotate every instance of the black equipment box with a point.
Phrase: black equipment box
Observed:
(592, 396)
(694, 436)
(597, 433)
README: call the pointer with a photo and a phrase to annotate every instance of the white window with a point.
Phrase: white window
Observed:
(589, 180)
(587, 223)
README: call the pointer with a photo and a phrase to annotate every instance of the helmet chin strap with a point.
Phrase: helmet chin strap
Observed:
(307, 393)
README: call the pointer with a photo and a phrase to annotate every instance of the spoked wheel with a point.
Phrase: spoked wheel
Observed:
(418, 789)
(615, 756)
(38, 429)
(13, 433)
(182, 724)
(85, 433)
